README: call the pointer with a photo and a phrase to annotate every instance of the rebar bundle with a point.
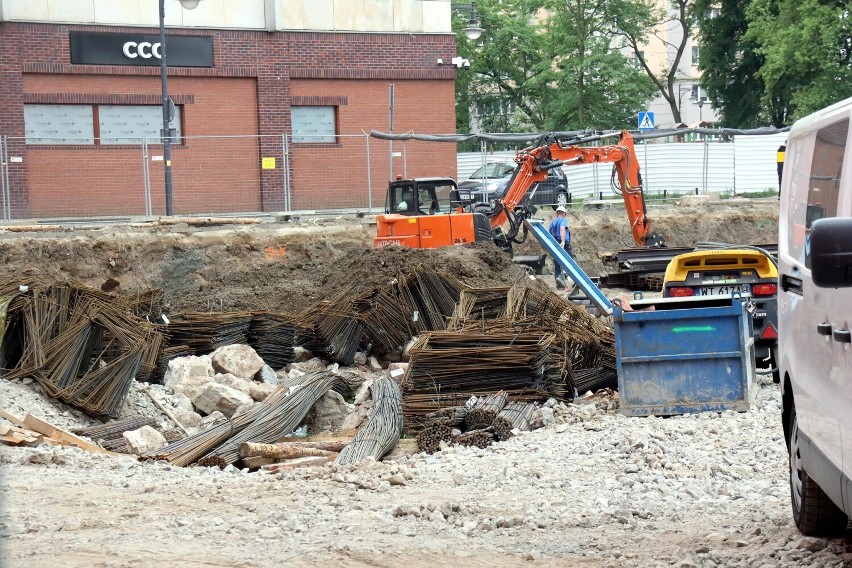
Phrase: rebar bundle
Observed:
(452, 415)
(585, 340)
(278, 415)
(115, 428)
(429, 439)
(476, 438)
(385, 320)
(502, 428)
(204, 332)
(595, 379)
(430, 298)
(479, 304)
(484, 411)
(417, 409)
(272, 337)
(83, 346)
(380, 434)
(444, 362)
(519, 414)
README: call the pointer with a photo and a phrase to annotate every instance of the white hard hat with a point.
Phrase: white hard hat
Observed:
(560, 209)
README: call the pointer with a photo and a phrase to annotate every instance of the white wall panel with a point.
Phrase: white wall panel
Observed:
(745, 165)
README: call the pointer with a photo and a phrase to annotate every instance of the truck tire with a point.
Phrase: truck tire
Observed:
(813, 511)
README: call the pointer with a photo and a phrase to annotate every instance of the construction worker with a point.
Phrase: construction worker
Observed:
(779, 157)
(560, 231)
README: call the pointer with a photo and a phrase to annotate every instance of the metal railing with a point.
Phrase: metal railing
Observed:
(242, 175)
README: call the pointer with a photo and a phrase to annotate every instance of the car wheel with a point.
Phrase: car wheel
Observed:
(561, 199)
(813, 511)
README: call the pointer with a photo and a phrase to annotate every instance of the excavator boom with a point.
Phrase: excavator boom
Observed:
(533, 164)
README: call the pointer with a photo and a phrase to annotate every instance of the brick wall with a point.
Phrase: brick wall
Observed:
(367, 109)
(247, 92)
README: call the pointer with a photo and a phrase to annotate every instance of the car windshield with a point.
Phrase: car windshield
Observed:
(494, 170)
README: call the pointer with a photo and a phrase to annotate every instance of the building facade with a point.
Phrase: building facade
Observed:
(271, 102)
(659, 52)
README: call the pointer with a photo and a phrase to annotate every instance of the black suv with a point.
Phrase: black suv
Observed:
(553, 191)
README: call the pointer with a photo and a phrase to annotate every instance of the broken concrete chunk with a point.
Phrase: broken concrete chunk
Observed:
(360, 358)
(362, 393)
(188, 375)
(217, 397)
(267, 375)
(328, 413)
(188, 419)
(234, 382)
(239, 360)
(374, 364)
(357, 416)
(145, 440)
(259, 391)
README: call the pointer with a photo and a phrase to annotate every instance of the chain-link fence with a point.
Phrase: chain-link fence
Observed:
(234, 175)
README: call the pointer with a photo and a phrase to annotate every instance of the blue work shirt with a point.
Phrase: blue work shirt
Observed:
(556, 229)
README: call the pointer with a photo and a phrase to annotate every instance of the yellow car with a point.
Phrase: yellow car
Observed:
(721, 272)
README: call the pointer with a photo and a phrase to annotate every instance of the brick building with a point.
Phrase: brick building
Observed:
(272, 98)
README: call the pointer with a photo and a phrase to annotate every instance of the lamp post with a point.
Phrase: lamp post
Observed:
(700, 104)
(681, 89)
(473, 31)
(168, 108)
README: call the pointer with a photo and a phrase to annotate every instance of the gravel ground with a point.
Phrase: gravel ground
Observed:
(592, 489)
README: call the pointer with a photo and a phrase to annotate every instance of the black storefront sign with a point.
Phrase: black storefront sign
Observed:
(124, 49)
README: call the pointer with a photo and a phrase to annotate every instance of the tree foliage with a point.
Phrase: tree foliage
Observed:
(730, 66)
(807, 51)
(556, 70)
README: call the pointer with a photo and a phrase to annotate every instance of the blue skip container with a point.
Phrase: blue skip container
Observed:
(686, 355)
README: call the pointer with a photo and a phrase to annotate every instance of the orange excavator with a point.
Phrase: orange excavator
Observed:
(427, 213)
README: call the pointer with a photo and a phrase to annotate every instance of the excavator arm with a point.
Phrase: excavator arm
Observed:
(533, 164)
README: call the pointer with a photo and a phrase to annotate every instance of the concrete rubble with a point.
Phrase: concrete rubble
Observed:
(144, 440)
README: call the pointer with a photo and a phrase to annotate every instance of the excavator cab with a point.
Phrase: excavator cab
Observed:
(422, 196)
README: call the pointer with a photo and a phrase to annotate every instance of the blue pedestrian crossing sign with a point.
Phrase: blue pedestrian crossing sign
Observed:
(646, 121)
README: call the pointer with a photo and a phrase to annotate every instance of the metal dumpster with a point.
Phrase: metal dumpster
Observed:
(685, 355)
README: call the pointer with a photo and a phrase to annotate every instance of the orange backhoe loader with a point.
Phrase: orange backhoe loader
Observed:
(427, 213)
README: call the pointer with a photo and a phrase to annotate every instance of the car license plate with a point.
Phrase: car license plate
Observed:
(719, 290)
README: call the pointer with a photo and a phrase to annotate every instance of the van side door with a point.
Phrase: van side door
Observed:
(809, 313)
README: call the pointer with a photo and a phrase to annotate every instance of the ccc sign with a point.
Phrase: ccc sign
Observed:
(143, 49)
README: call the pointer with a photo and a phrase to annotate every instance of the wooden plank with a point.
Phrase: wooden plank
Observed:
(38, 425)
(61, 436)
(289, 450)
(290, 465)
(11, 418)
(5, 429)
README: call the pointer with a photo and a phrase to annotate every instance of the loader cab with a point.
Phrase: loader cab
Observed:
(422, 196)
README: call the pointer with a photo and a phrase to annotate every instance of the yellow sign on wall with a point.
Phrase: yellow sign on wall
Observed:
(267, 163)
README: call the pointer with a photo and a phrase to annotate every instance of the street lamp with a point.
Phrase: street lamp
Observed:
(168, 108)
(700, 103)
(472, 31)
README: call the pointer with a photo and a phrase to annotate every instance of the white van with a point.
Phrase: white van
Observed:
(815, 317)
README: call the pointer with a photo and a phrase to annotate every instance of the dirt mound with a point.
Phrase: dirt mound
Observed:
(265, 267)
(287, 267)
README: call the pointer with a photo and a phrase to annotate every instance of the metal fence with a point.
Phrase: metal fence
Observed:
(239, 175)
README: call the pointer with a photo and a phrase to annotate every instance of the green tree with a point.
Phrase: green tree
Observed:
(730, 66)
(553, 64)
(807, 51)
